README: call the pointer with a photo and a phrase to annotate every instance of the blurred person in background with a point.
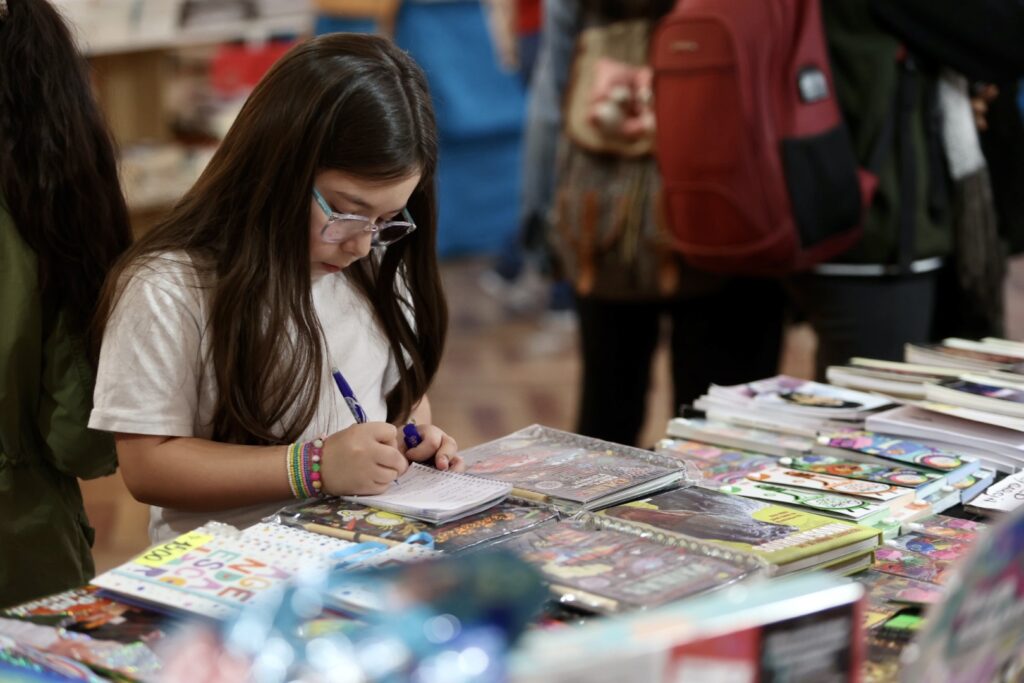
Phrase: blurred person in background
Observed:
(930, 243)
(611, 240)
(63, 223)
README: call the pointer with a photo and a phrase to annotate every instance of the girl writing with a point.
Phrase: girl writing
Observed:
(307, 244)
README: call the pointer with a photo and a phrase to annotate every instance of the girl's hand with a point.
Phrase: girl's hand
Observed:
(437, 445)
(362, 460)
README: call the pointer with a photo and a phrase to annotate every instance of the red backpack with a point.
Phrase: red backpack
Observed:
(759, 175)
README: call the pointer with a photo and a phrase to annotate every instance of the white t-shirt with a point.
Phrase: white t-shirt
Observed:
(152, 378)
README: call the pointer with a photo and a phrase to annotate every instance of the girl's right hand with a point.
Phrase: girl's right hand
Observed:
(361, 460)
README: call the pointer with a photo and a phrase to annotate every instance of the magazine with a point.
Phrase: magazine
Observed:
(783, 394)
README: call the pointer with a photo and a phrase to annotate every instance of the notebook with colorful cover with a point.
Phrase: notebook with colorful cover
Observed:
(715, 465)
(791, 539)
(894, 496)
(922, 482)
(570, 471)
(910, 564)
(354, 522)
(434, 496)
(606, 567)
(216, 569)
(884, 447)
(858, 510)
(733, 436)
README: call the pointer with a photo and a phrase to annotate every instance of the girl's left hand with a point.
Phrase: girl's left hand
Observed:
(435, 444)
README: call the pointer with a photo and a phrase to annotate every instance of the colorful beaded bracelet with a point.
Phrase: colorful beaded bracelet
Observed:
(303, 461)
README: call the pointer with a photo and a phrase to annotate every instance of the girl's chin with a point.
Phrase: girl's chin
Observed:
(328, 268)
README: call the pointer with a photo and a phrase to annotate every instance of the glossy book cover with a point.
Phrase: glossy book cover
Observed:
(779, 535)
(898, 449)
(567, 467)
(834, 504)
(882, 474)
(931, 546)
(624, 570)
(828, 482)
(717, 466)
(943, 526)
(912, 565)
(358, 523)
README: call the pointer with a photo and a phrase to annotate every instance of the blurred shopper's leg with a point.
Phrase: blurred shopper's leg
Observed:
(866, 316)
(730, 336)
(617, 342)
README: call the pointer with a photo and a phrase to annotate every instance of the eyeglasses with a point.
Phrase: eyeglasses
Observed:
(344, 226)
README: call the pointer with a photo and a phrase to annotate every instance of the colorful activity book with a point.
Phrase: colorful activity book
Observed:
(881, 448)
(214, 570)
(354, 522)
(894, 496)
(570, 471)
(1003, 496)
(792, 539)
(715, 465)
(977, 393)
(85, 610)
(942, 526)
(858, 510)
(913, 565)
(733, 436)
(434, 496)
(914, 478)
(607, 567)
(995, 446)
(792, 396)
(974, 485)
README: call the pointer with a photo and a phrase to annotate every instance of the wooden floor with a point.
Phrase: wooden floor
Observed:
(500, 372)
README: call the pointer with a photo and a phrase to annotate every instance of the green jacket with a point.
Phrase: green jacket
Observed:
(865, 70)
(46, 388)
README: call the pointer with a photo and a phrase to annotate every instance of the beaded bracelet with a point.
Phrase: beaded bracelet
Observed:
(303, 464)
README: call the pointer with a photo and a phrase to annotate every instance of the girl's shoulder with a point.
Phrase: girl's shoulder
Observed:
(173, 274)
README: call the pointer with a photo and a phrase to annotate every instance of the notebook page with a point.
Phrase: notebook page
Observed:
(424, 488)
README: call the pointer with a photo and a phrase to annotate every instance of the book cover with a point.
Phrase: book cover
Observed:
(216, 569)
(887, 594)
(922, 482)
(901, 450)
(609, 570)
(569, 470)
(717, 466)
(86, 610)
(789, 538)
(830, 504)
(834, 484)
(937, 548)
(802, 397)
(974, 485)
(354, 522)
(993, 397)
(942, 526)
(910, 564)
(739, 437)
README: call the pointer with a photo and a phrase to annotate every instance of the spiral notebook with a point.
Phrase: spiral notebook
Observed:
(435, 496)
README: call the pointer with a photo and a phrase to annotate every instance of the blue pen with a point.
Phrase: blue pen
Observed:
(350, 397)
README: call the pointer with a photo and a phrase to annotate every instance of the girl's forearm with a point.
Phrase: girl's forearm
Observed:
(200, 475)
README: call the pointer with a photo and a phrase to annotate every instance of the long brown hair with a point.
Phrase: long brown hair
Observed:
(346, 102)
(58, 174)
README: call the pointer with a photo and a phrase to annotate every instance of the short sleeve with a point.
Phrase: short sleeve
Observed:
(150, 364)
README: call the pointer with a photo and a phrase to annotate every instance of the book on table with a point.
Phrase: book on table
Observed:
(797, 397)
(893, 496)
(789, 538)
(570, 471)
(602, 565)
(715, 466)
(355, 522)
(922, 482)
(434, 496)
(979, 393)
(874, 447)
(736, 436)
